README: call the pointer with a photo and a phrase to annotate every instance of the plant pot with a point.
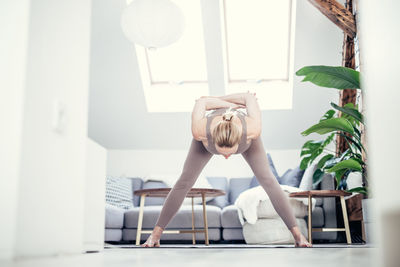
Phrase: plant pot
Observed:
(367, 212)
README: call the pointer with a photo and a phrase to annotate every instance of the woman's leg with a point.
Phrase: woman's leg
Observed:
(196, 159)
(256, 157)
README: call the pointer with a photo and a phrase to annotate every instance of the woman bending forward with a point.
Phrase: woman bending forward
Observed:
(226, 131)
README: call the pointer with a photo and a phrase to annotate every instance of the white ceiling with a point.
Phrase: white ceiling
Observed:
(117, 114)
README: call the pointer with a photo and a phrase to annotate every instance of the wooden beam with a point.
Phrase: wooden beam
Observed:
(338, 14)
(346, 95)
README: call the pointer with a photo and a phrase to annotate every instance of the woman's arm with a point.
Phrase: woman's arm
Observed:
(253, 117)
(249, 100)
(199, 110)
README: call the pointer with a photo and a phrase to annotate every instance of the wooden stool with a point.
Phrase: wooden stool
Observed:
(325, 193)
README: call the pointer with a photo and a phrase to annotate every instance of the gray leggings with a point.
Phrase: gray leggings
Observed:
(198, 157)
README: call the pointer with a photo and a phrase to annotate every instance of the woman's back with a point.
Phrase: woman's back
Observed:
(210, 145)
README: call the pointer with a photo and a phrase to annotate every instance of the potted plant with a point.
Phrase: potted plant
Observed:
(348, 126)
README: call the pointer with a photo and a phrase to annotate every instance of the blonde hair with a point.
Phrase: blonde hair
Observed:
(226, 133)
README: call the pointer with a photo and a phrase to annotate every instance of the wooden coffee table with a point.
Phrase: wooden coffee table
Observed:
(325, 193)
(163, 192)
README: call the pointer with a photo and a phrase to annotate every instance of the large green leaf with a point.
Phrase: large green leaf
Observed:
(353, 142)
(362, 190)
(330, 125)
(311, 149)
(338, 176)
(310, 146)
(331, 76)
(323, 160)
(329, 114)
(349, 109)
(358, 157)
(317, 177)
(346, 164)
(328, 140)
(305, 162)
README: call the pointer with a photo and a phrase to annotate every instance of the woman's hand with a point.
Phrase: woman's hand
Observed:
(252, 94)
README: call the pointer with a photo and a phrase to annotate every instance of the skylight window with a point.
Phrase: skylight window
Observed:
(174, 76)
(258, 38)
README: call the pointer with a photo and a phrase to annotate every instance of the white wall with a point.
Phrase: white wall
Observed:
(380, 56)
(96, 169)
(14, 16)
(51, 196)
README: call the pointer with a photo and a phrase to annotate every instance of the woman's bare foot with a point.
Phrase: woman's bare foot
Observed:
(151, 242)
(154, 239)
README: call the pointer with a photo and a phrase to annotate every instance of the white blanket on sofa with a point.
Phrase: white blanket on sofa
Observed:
(249, 200)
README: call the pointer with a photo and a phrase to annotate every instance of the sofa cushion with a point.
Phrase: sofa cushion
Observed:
(237, 186)
(214, 234)
(119, 192)
(137, 184)
(318, 218)
(182, 219)
(114, 217)
(292, 177)
(151, 201)
(112, 235)
(254, 182)
(271, 231)
(232, 234)
(222, 184)
(230, 217)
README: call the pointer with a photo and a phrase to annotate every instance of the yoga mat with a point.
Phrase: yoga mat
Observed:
(218, 246)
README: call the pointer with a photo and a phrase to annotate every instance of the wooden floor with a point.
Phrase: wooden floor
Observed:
(175, 257)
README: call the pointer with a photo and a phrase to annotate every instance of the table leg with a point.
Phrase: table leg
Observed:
(309, 220)
(140, 219)
(205, 218)
(363, 231)
(193, 234)
(345, 219)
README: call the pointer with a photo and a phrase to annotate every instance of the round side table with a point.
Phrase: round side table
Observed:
(325, 193)
(163, 192)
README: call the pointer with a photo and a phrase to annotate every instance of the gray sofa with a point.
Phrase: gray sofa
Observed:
(222, 214)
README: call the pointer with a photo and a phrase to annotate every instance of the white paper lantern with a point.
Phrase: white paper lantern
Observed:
(152, 23)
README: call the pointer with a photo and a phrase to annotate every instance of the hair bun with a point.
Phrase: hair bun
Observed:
(227, 116)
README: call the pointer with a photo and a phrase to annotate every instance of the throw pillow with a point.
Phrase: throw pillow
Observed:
(222, 184)
(254, 182)
(119, 192)
(292, 177)
(201, 182)
(137, 183)
(237, 186)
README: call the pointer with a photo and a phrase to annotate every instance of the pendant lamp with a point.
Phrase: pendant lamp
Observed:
(152, 23)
